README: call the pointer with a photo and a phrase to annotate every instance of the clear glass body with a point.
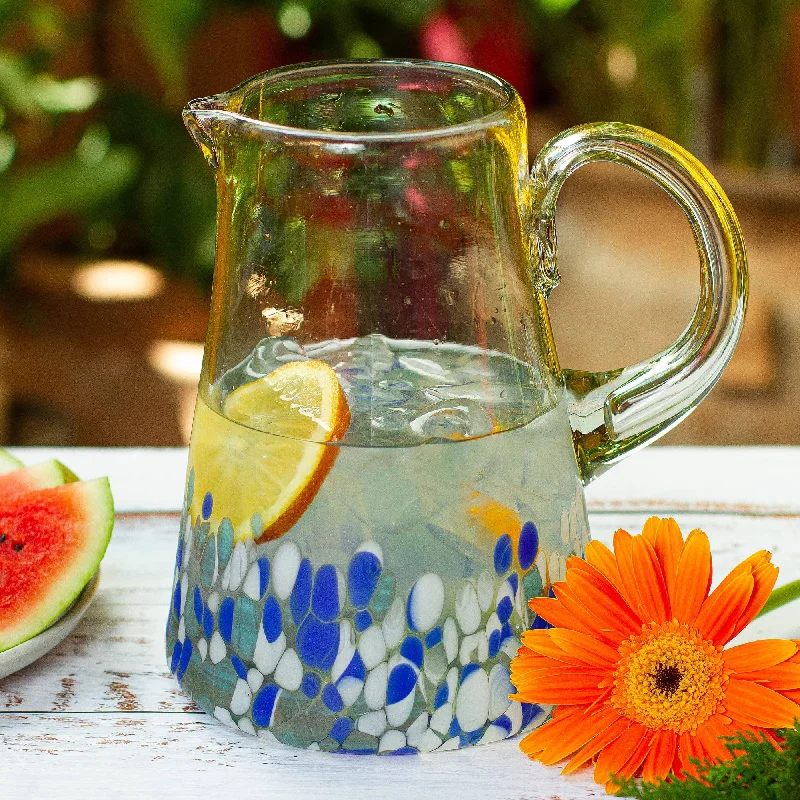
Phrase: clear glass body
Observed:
(380, 217)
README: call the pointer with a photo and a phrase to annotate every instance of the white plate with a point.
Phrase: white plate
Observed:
(26, 653)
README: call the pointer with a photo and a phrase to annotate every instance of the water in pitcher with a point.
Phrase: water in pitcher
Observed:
(385, 618)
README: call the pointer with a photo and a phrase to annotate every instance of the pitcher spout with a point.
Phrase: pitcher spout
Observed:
(199, 117)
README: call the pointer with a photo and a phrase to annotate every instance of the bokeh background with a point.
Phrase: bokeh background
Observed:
(107, 208)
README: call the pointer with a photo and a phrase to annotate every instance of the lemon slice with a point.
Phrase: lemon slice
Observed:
(263, 459)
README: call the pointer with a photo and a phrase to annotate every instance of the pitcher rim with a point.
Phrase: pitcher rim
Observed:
(213, 106)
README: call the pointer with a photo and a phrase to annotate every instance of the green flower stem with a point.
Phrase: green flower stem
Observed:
(781, 596)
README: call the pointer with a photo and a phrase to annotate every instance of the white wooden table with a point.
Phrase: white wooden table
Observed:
(101, 716)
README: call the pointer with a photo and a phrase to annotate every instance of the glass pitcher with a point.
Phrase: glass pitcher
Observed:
(387, 459)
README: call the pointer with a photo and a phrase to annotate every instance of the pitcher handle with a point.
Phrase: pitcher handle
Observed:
(613, 413)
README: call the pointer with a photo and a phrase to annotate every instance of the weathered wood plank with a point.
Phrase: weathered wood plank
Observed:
(181, 755)
(115, 660)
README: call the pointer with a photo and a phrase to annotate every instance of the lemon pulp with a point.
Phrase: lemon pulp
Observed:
(268, 449)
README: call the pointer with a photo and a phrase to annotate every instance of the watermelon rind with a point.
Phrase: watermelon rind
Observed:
(45, 475)
(8, 463)
(68, 576)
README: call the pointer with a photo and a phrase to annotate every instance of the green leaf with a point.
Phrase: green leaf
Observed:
(781, 596)
(557, 8)
(15, 85)
(8, 148)
(756, 771)
(59, 97)
(164, 28)
(64, 185)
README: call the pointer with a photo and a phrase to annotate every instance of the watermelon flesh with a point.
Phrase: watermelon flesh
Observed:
(39, 476)
(8, 463)
(51, 543)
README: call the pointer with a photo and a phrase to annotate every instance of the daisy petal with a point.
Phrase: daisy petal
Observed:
(650, 581)
(623, 549)
(710, 735)
(588, 648)
(758, 655)
(692, 578)
(650, 529)
(753, 704)
(606, 627)
(658, 763)
(540, 641)
(690, 747)
(764, 577)
(607, 606)
(604, 560)
(781, 677)
(576, 734)
(723, 608)
(669, 545)
(602, 740)
(613, 758)
(551, 609)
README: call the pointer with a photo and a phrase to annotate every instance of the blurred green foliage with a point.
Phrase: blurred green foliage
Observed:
(706, 73)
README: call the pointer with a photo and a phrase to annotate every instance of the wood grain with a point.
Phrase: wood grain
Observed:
(102, 716)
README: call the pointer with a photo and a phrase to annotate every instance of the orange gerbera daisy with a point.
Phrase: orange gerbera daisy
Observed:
(636, 665)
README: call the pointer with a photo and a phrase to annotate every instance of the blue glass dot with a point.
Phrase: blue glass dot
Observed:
(179, 554)
(551, 592)
(362, 578)
(528, 545)
(198, 605)
(301, 594)
(502, 554)
(540, 624)
(434, 637)
(186, 654)
(176, 657)
(504, 608)
(402, 680)
(412, 650)
(332, 698)
(513, 582)
(442, 696)
(503, 722)
(494, 643)
(226, 618)
(455, 728)
(238, 665)
(467, 670)
(208, 622)
(471, 737)
(325, 595)
(176, 599)
(317, 643)
(529, 712)
(362, 619)
(341, 729)
(272, 619)
(208, 505)
(264, 705)
(355, 669)
(310, 685)
(506, 632)
(263, 576)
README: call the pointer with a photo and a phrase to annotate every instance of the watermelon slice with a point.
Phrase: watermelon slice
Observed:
(39, 476)
(8, 463)
(51, 543)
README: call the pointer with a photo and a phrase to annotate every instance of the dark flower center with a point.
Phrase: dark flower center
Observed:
(667, 679)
